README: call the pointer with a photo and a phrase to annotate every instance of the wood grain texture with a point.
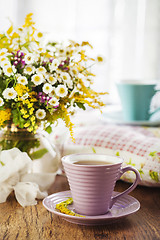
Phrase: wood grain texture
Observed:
(39, 224)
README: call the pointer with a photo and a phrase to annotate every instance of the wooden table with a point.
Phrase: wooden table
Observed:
(39, 224)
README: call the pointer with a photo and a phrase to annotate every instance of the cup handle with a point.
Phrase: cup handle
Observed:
(155, 111)
(128, 190)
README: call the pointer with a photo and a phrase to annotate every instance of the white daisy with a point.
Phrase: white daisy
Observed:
(47, 88)
(3, 59)
(59, 79)
(24, 50)
(57, 75)
(65, 76)
(53, 92)
(74, 71)
(69, 51)
(41, 70)
(54, 102)
(37, 79)
(51, 79)
(61, 91)
(1, 102)
(67, 79)
(54, 65)
(5, 63)
(29, 58)
(69, 83)
(17, 75)
(38, 36)
(9, 93)
(9, 70)
(40, 113)
(3, 52)
(29, 69)
(22, 80)
(33, 47)
(61, 52)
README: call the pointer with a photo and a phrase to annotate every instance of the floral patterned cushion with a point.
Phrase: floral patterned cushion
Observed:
(138, 146)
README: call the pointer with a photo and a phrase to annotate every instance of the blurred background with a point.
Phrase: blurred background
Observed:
(126, 33)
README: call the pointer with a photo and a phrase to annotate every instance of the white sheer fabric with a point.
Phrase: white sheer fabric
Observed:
(125, 33)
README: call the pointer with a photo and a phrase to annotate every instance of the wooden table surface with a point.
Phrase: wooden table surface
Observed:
(37, 223)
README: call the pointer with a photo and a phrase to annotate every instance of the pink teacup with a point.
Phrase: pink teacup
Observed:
(92, 179)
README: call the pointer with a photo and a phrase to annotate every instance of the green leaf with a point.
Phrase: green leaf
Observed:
(2, 163)
(153, 154)
(48, 129)
(17, 119)
(154, 175)
(38, 154)
(3, 36)
(94, 150)
(52, 43)
(80, 105)
(140, 171)
(117, 154)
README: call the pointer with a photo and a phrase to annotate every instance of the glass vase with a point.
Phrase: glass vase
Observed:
(38, 147)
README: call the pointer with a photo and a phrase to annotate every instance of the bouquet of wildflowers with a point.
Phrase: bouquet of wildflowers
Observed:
(42, 82)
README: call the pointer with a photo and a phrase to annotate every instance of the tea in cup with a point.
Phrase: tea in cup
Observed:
(92, 178)
(136, 98)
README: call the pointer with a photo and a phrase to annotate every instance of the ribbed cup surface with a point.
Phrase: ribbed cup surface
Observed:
(91, 186)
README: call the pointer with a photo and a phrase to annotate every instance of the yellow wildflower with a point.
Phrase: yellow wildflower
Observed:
(30, 105)
(30, 129)
(32, 118)
(10, 30)
(23, 111)
(66, 118)
(99, 59)
(47, 55)
(21, 89)
(26, 124)
(32, 96)
(26, 116)
(4, 42)
(83, 56)
(26, 101)
(14, 35)
(62, 207)
(86, 43)
(28, 20)
(31, 110)
(4, 116)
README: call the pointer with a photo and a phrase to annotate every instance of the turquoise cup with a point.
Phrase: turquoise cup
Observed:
(135, 98)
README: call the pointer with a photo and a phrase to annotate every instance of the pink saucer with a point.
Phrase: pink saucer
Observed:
(123, 207)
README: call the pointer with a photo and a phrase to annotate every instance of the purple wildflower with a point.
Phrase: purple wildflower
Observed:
(64, 64)
(39, 94)
(18, 60)
(23, 63)
(51, 60)
(56, 106)
(44, 63)
(43, 97)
